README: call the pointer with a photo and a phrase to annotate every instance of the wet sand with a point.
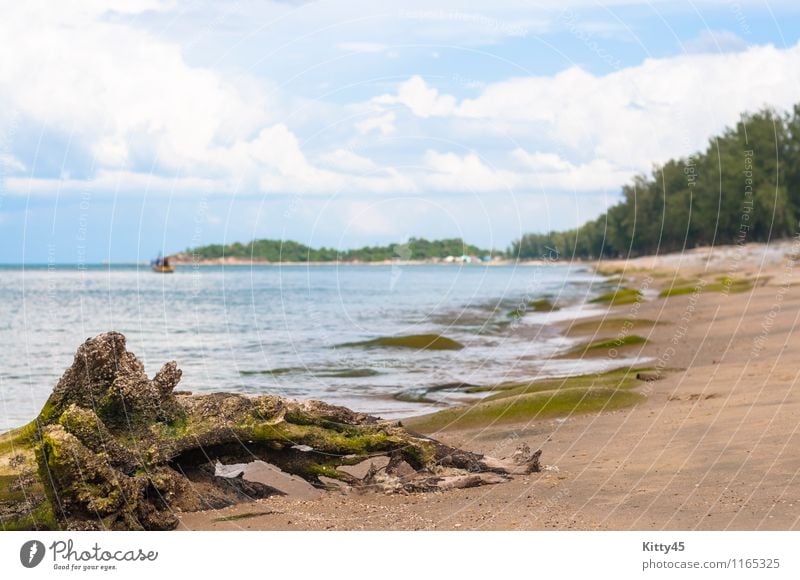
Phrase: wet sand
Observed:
(714, 446)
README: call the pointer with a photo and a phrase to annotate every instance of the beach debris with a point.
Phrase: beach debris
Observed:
(114, 449)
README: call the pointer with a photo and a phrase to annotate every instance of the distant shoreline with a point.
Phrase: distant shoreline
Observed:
(239, 262)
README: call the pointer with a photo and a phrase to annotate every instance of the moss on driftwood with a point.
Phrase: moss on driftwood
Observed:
(113, 449)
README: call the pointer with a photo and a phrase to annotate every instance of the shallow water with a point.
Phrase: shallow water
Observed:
(276, 329)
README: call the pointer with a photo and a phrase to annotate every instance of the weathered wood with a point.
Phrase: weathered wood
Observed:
(113, 449)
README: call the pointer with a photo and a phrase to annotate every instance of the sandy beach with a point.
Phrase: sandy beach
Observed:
(712, 445)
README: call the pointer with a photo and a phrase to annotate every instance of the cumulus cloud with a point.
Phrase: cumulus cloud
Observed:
(132, 101)
(715, 41)
(632, 117)
(381, 124)
(347, 160)
(423, 101)
(536, 172)
(116, 181)
(116, 89)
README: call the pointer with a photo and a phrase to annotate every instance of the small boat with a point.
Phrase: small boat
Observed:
(162, 265)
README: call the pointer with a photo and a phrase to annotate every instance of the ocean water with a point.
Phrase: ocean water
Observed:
(278, 329)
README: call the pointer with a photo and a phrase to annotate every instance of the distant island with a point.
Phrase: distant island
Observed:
(287, 251)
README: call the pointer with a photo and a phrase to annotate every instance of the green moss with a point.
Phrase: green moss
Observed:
(325, 373)
(7, 494)
(179, 427)
(624, 378)
(347, 373)
(678, 291)
(273, 372)
(317, 470)
(615, 343)
(723, 284)
(610, 325)
(414, 396)
(528, 407)
(40, 517)
(16, 460)
(609, 270)
(415, 341)
(542, 305)
(18, 439)
(619, 296)
(349, 441)
(48, 412)
(245, 516)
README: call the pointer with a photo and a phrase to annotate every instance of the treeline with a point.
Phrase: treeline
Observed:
(288, 251)
(744, 187)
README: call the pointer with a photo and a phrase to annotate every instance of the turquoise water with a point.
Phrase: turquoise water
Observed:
(272, 329)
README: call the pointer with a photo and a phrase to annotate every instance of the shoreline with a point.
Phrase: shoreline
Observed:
(242, 262)
(708, 446)
(701, 437)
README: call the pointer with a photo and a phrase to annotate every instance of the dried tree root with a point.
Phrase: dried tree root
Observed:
(116, 450)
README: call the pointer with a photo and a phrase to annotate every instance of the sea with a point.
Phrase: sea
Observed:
(287, 330)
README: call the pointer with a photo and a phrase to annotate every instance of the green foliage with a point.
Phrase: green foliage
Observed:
(288, 251)
(745, 187)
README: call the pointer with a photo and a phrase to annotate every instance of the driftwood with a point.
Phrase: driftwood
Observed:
(114, 449)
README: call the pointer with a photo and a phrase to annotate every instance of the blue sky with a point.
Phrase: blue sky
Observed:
(131, 127)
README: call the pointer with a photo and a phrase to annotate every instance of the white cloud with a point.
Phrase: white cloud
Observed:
(131, 98)
(10, 164)
(543, 172)
(551, 172)
(347, 160)
(467, 173)
(422, 100)
(539, 161)
(115, 181)
(715, 41)
(118, 90)
(633, 117)
(382, 124)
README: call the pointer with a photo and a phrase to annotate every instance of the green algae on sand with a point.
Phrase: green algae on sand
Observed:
(596, 346)
(528, 407)
(723, 284)
(539, 399)
(415, 341)
(331, 373)
(619, 296)
(609, 325)
(624, 378)
(542, 305)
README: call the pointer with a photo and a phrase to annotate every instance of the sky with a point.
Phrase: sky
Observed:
(136, 127)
